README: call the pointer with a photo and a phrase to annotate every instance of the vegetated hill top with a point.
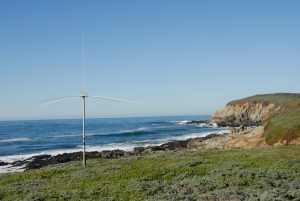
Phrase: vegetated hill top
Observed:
(286, 100)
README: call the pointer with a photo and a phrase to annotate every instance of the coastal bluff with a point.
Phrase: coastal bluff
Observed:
(276, 116)
(256, 110)
(256, 121)
(246, 113)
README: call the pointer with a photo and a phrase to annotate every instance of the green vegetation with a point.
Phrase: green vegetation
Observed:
(283, 127)
(237, 174)
(286, 100)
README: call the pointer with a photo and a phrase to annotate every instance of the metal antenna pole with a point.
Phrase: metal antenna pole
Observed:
(83, 132)
(83, 95)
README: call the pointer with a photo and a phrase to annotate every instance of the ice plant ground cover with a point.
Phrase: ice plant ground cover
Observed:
(241, 174)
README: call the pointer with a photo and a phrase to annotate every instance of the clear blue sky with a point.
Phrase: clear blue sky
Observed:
(172, 57)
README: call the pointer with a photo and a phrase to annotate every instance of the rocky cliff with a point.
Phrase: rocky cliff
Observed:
(277, 114)
(245, 113)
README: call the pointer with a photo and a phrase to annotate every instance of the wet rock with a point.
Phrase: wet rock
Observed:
(2, 163)
(44, 160)
(198, 122)
(174, 145)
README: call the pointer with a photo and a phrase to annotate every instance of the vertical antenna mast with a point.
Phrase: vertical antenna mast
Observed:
(83, 70)
(83, 95)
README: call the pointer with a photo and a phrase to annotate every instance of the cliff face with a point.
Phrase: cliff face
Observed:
(246, 113)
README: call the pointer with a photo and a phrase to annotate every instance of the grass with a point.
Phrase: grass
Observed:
(286, 100)
(241, 174)
(283, 127)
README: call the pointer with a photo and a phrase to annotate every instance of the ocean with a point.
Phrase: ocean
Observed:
(20, 140)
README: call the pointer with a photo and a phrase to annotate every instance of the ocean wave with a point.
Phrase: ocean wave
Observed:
(136, 131)
(183, 122)
(62, 136)
(201, 125)
(195, 135)
(9, 168)
(15, 139)
(207, 125)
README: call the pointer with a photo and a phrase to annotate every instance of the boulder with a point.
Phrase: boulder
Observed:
(2, 163)
(198, 122)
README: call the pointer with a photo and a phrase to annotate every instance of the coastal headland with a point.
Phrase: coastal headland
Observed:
(257, 160)
(257, 121)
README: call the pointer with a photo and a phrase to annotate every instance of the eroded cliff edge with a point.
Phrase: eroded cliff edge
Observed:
(256, 121)
(277, 117)
(245, 113)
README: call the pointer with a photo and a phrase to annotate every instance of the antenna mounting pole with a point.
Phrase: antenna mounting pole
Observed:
(83, 95)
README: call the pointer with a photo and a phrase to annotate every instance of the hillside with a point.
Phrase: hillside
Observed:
(284, 128)
(285, 100)
(279, 114)
(270, 173)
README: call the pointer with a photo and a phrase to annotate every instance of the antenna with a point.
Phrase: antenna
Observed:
(82, 95)
(83, 70)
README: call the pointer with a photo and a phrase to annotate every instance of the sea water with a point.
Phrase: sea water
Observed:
(20, 140)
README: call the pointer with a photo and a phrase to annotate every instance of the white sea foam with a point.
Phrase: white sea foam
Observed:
(207, 125)
(185, 122)
(195, 135)
(73, 135)
(181, 122)
(141, 129)
(15, 139)
(9, 168)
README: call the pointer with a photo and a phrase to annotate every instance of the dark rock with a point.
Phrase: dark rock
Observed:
(174, 145)
(44, 160)
(138, 150)
(112, 154)
(2, 163)
(198, 122)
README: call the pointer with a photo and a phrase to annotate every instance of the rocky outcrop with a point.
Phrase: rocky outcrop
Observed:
(44, 160)
(197, 122)
(250, 138)
(248, 114)
(253, 137)
(211, 142)
(2, 163)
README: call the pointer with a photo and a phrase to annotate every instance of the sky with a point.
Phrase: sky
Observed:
(172, 57)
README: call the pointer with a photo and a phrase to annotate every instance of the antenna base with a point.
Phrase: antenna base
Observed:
(83, 94)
